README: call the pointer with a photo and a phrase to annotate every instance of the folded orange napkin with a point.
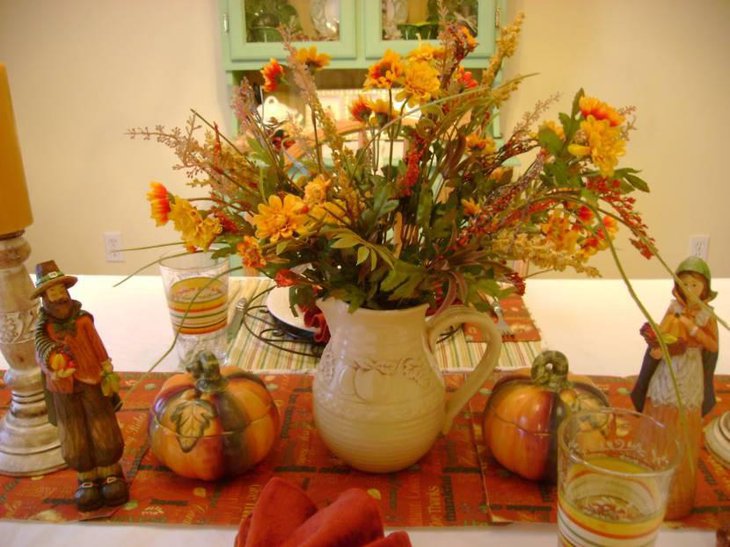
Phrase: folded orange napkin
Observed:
(284, 516)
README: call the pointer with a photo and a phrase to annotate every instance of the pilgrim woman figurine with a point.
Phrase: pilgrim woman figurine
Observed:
(689, 330)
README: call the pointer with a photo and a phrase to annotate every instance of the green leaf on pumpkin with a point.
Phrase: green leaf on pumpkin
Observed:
(191, 418)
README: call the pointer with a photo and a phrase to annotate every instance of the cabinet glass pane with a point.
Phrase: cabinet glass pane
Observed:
(309, 20)
(411, 19)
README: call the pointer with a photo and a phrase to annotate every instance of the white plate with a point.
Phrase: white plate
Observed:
(278, 305)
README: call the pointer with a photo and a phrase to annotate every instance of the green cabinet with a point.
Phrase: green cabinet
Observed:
(353, 32)
(250, 37)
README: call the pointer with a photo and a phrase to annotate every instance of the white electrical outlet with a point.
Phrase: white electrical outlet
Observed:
(699, 245)
(113, 247)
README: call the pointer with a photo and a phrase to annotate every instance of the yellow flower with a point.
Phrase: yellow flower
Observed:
(590, 106)
(280, 219)
(194, 230)
(330, 212)
(471, 207)
(316, 190)
(426, 52)
(556, 128)
(465, 42)
(386, 72)
(480, 145)
(205, 232)
(421, 83)
(383, 111)
(250, 252)
(602, 142)
(313, 59)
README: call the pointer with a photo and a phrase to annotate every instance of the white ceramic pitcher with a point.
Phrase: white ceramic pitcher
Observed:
(379, 398)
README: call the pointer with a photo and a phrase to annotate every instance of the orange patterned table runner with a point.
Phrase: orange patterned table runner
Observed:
(455, 484)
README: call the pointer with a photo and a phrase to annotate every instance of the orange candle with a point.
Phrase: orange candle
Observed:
(15, 214)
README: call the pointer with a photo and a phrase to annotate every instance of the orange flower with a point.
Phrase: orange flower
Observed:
(250, 252)
(159, 199)
(471, 207)
(313, 59)
(590, 106)
(610, 224)
(584, 214)
(272, 73)
(386, 72)
(360, 109)
(465, 78)
(464, 41)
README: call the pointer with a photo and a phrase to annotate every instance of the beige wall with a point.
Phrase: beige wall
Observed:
(83, 71)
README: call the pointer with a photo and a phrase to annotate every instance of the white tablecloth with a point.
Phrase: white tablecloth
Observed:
(594, 322)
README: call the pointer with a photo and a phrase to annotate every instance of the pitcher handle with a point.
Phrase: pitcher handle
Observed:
(456, 315)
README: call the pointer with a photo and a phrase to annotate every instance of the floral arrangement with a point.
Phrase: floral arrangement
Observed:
(442, 223)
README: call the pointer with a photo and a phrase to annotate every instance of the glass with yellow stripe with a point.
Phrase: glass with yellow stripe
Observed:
(614, 471)
(196, 287)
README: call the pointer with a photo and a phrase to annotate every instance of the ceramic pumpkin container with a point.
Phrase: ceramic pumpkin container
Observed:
(524, 411)
(210, 423)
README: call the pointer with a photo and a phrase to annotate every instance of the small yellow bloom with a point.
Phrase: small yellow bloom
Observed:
(383, 112)
(480, 145)
(330, 212)
(316, 190)
(194, 230)
(385, 73)
(420, 83)
(426, 52)
(310, 57)
(556, 128)
(280, 219)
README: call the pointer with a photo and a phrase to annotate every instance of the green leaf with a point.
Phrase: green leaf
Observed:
(425, 204)
(362, 255)
(402, 281)
(637, 182)
(569, 124)
(191, 418)
(549, 140)
(576, 102)
(346, 241)
(281, 247)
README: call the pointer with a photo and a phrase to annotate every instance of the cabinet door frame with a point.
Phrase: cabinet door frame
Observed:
(239, 50)
(375, 45)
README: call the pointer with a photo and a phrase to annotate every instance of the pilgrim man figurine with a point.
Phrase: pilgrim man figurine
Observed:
(689, 331)
(81, 388)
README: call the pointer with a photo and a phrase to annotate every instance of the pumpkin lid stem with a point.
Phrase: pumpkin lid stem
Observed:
(550, 368)
(209, 377)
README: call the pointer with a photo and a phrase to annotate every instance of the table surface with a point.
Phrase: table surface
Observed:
(593, 321)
